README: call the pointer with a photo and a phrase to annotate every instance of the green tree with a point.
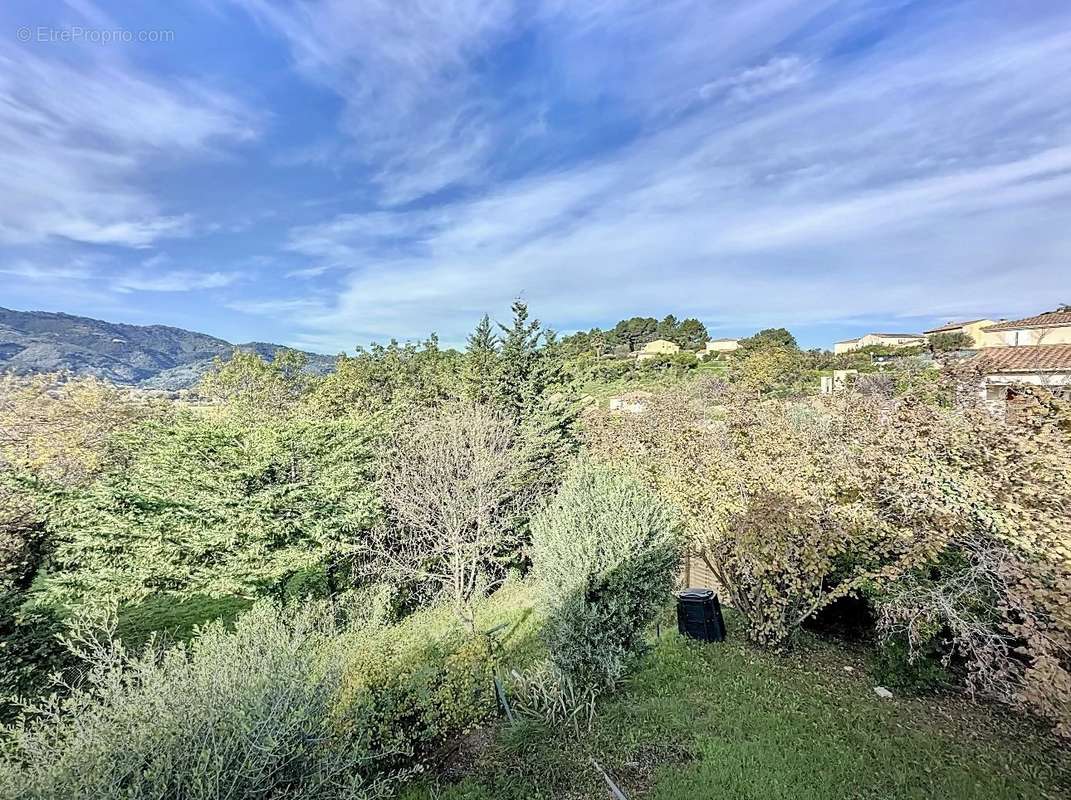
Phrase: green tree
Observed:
(668, 328)
(388, 377)
(635, 332)
(692, 334)
(247, 381)
(951, 340)
(208, 503)
(768, 338)
(768, 370)
(479, 373)
(532, 390)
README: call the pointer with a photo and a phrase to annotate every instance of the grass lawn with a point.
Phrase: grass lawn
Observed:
(175, 617)
(729, 721)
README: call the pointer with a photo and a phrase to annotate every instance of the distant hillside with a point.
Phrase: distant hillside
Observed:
(151, 356)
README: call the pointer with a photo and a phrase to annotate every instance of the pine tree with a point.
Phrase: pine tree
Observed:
(532, 388)
(479, 372)
(669, 329)
(516, 390)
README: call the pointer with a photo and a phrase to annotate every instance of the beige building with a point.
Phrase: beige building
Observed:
(974, 328)
(659, 347)
(1052, 327)
(1005, 368)
(882, 339)
(716, 346)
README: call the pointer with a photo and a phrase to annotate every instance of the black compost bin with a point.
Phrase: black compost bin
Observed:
(699, 615)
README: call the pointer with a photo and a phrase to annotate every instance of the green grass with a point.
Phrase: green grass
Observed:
(729, 721)
(173, 617)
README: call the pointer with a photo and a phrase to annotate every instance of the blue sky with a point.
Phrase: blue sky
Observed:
(324, 174)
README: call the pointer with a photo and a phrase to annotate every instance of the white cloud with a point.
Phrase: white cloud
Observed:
(913, 178)
(173, 281)
(755, 83)
(49, 272)
(412, 106)
(77, 136)
(100, 275)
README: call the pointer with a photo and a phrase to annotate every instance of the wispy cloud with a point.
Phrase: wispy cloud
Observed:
(412, 105)
(50, 272)
(412, 165)
(755, 83)
(173, 281)
(101, 275)
(908, 177)
(78, 136)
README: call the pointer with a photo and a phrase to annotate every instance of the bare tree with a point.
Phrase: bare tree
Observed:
(448, 492)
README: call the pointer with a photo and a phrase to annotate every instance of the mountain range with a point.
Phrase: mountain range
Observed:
(148, 356)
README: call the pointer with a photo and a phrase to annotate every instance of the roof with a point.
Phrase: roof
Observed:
(846, 341)
(954, 326)
(1050, 319)
(1026, 358)
(726, 339)
(898, 335)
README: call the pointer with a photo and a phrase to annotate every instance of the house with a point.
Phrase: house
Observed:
(880, 339)
(974, 328)
(718, 346)
(659, 347)
(1005, 368)
(1052, 327)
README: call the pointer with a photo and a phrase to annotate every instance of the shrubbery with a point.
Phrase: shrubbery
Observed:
(956, 524)
(30, 652)
(244, 714)
(288, 704)
(410, 689)
(606, 552)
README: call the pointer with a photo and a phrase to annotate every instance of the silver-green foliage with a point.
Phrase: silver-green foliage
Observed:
(607, 552)
(242, 714)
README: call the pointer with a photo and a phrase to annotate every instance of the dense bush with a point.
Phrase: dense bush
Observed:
(910, 667)
(241, 715)
(607, 552)
(409, 689)
(290, 703)
(30, 651)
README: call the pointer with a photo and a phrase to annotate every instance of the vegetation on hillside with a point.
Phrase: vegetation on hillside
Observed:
(299, 585)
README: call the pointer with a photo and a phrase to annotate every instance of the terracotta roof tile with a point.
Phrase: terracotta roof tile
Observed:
(1047, 320)
(1026, 358)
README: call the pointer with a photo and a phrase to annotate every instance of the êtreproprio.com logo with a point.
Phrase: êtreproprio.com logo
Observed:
(77, 33)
